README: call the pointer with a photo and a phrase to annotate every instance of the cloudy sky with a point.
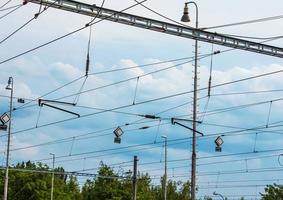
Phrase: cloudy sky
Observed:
(234, 110)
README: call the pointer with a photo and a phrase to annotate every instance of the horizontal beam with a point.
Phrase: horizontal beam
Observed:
(160, 26)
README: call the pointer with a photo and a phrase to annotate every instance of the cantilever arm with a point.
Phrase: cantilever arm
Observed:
(61, 109)
(174, 122)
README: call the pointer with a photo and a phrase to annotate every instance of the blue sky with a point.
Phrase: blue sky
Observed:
(115, 46)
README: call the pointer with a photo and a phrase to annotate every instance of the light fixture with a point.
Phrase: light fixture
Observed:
(5, 118)
(118, 132)
(218, 141)
(10, 82)
(185, 17)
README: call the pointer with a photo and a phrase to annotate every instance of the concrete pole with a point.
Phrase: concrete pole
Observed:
(135, 178)
(11, 88)
(52, 180)
(165, 168)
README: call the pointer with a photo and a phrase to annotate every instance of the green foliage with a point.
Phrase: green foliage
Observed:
(37, 186)
(31, 185)
(273, 192)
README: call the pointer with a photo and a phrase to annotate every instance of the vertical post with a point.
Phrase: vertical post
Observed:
(9, 87)
(193, 175)
(52, 180)
(135, 177)
(165, 168)
(186, 18)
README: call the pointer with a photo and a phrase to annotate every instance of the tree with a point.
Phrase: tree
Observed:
(273, 192)
(35, 183)
(105, 187)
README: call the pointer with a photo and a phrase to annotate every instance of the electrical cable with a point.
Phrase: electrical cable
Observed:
(11, 7)
(133, 78)
(80, 137)
(63, 173)
(116, 108)
(107, 129)
(97, 73)
(142, 66)
(64, 36)
(122, 81)
(3, 5)
(209, 86)
(245, 22)
(111, 154)
(10, 12)
(213, 163)
(246, 180)
(246, 92)
(253, 37)
(229, 172)
(223, 134)
(29, 21)
(163, 16)
(50, 92)
(88, 50)
(239, 36)
(111, 149)
(210, 157)
(140, 145)
(279, 162)
(213, 86)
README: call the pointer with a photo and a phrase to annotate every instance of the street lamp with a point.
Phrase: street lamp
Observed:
(10, 87)
(165, 167)
(185, 18)
(217, 194)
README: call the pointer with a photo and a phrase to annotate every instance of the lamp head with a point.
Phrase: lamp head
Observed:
(10, 82)
(185, 17)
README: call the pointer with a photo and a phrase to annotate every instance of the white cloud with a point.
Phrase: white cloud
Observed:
(66, 70)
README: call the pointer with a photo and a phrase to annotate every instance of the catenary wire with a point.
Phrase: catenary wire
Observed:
(3, 5)
(11, 7)
(245, 22)
(10, 12)
(63, 36)
(156, 99)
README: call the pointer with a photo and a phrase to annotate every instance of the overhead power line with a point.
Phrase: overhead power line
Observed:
(245, 22)
(63, 173)
(10, 12)
(29, 21)
(104, 86)
(66, 35)
(3, 5)
(11, 7)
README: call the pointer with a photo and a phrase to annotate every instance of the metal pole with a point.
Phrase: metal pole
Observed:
(5, 197)
(135, 177)
(193, 175)
(165, 168)
(52, 180)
